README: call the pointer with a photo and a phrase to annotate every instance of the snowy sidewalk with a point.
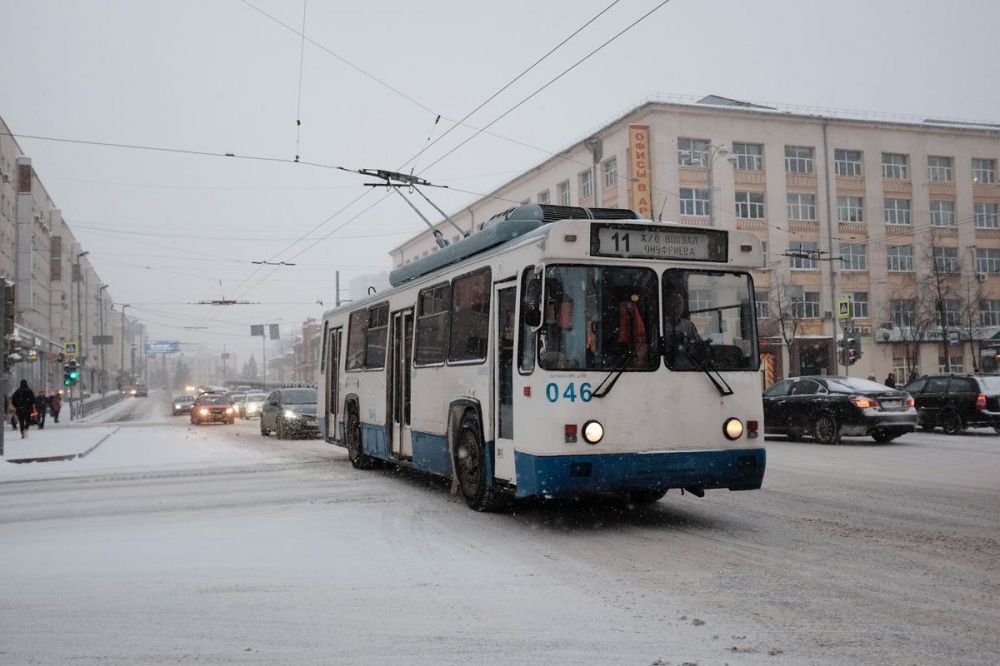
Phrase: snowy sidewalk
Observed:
(52, 444)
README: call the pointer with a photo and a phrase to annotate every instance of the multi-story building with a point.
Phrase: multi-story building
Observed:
(306, 352)
(900, 218)
(59, 295)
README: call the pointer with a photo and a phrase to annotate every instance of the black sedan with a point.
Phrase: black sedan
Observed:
(288, 412)
(827, 407)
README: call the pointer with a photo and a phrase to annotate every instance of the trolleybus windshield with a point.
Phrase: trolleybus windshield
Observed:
(709, 321)
(599, 318)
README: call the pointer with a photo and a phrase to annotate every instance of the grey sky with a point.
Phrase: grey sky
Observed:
(221, 77)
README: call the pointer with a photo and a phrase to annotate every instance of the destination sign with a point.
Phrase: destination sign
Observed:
(673, 243)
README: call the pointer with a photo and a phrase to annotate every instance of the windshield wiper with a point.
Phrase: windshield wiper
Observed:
(615, 373)
(723, 387)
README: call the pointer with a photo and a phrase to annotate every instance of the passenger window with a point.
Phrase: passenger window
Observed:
(805, 387)
(378, 328)
(937, 385)
(433, 305)
(356, 338)
(963, 385)
(470, 316)
(915, 387)
(526, 341)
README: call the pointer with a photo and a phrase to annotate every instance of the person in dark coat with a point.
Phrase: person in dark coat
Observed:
(55, 405)
(41, 408)
(890, 381)
(23, 400)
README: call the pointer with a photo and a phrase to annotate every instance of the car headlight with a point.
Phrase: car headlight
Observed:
(593, 432)
(289, 414)
(177, 405)
(733, 428)
(229, 410)
(203, 411)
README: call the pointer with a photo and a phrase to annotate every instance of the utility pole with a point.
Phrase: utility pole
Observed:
(121, 368)
(336, 288)
(829, 232)
(100, 313)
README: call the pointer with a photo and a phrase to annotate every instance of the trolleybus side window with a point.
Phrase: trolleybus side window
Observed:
(530, 294)
(599, 318)
(378, 328)
(433, 306)
(470, 316)
(356, 339)
(322, 353)
(709, 320)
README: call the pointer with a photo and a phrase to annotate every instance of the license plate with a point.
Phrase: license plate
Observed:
(890, 404)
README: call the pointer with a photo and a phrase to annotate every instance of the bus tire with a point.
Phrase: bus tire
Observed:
(646, 496)
(470, 468)
(355, 451)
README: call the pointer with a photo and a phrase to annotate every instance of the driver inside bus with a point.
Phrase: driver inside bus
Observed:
(679, 333)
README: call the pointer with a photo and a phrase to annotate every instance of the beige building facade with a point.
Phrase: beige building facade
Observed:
(898, 218)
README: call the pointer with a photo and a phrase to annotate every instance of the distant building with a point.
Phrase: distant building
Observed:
(358, 288)
(860, 209)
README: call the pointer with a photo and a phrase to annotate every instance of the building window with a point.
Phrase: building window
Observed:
(942, 213)
(470, 316)
(694, 202)
(806, 306)
(799, 159)
(984, 171)
(543, 197)
(897, 211)
(692, 152)
(895, 166)
(939, 168)
(763, 245)
(956, 364)
(854, 257)
(763, 301)
(586, 184)
(900, 258)
(801, 206)
(433, 305)
(860, 305)
(945, 259)
(847, 162)
(951, 308)
(902, 311)
(989, 313)
(750, 205)
(803, 256)
(850, 209)
(749, 156)
(562, 190)
(986, 215)
(611, 173)
(987, 260)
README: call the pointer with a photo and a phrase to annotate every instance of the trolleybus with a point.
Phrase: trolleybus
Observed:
(558, 352)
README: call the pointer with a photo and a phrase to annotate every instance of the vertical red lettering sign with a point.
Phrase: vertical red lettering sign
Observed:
(640, 184)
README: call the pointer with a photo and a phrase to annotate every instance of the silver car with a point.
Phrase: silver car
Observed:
(251, 405)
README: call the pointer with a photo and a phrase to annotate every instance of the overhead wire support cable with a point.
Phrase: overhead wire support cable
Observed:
(302, 57)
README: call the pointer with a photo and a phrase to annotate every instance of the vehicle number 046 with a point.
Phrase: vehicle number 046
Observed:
(585, 394)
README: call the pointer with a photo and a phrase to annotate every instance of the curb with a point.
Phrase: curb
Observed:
(69, 456)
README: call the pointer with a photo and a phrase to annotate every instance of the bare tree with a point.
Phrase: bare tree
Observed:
(970, 294)
(786, 311)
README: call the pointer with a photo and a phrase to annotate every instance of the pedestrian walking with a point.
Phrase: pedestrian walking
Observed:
(890, 381)
(55, 405)
(41, 408)
(23, 401)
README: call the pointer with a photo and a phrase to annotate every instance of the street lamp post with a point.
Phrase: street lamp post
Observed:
(100, 312)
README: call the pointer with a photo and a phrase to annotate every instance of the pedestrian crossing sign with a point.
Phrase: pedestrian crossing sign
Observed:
(844, 308)
(70, 349)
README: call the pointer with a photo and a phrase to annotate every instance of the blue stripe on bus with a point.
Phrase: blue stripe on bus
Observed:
(573, 475)
(374, 441)
(430, 453)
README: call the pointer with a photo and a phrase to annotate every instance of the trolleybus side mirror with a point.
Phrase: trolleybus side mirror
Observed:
(532, 303)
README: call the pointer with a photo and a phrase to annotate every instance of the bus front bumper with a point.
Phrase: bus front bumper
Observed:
(567, 476)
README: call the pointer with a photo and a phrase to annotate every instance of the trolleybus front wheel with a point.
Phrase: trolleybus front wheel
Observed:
(470, 467)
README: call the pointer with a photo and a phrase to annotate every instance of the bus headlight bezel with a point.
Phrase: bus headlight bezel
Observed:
(733, 428)
(592, 431)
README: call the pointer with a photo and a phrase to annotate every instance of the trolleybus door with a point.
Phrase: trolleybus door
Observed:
(333, 385)
(503, 389)
(400, 374)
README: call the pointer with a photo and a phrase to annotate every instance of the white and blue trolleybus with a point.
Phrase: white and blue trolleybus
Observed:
(558, 352)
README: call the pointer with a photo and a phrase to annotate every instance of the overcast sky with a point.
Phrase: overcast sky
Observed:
(164, 229)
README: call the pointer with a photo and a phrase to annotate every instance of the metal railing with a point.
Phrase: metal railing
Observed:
(80, 409)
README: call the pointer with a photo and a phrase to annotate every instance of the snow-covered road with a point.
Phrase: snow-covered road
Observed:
(175, 544)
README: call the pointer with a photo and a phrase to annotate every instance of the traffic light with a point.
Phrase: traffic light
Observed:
(853, 348)
(71, 373)
(66, 378)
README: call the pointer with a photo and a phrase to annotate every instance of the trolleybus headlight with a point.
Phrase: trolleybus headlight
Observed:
(733, 428)
(593, 432)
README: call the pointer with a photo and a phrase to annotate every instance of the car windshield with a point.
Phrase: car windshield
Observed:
(183, 398)
(237, 397)
(256, 397)
(855, 385)
(298, 396)
(209, 399)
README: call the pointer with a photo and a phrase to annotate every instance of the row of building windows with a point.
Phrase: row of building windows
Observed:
(846, 162)
(694, 202)
(585, 182)
(899, 258)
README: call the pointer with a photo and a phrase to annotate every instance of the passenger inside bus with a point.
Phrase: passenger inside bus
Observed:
(681, 337)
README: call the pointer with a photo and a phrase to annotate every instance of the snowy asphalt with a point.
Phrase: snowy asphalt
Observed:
(179, 544)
